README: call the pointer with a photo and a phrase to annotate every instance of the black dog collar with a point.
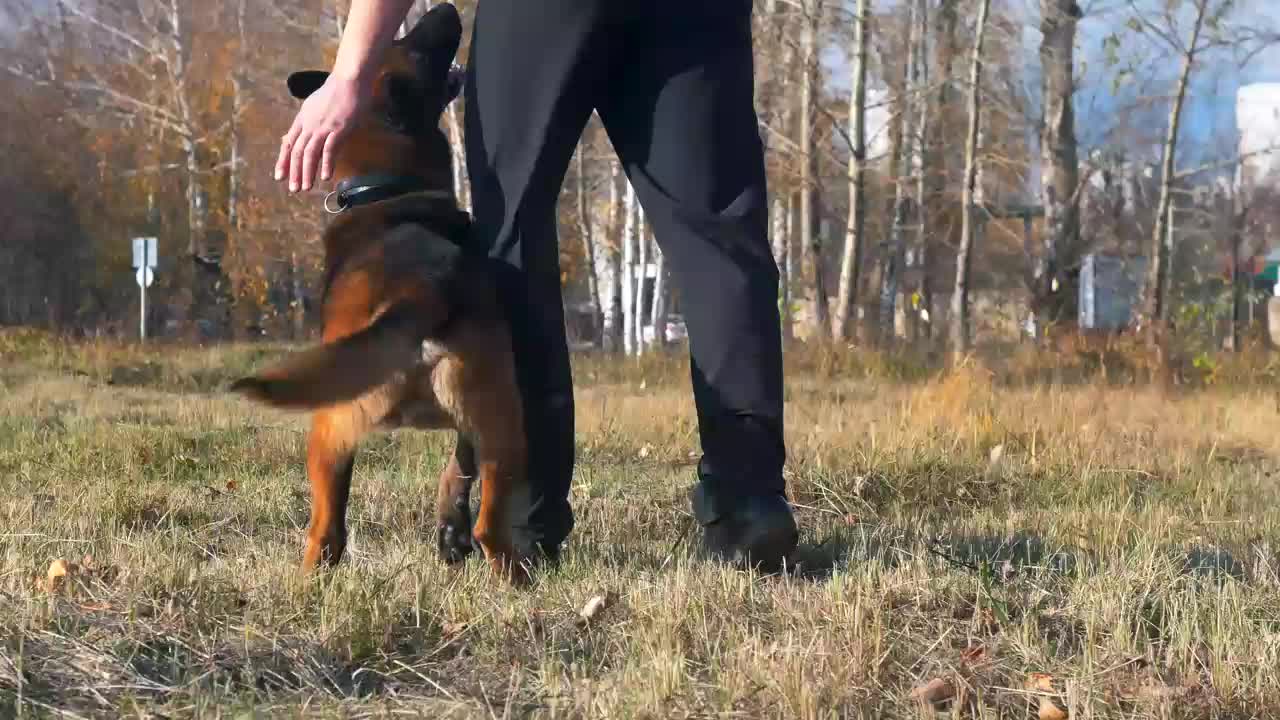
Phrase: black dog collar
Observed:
(365, 189)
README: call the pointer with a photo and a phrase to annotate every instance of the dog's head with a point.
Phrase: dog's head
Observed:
(399, 130)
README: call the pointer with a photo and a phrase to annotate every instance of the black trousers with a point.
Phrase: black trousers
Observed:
(672, 83)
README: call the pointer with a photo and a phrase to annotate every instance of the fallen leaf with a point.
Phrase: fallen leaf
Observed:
(1049, 710)
(974, 653)
(454, 629)
(232, 485)
(852, 519)
(644, 452)
(934, 692)
(1039, 683)
(996, 454)
(595, 606)
(60, 571)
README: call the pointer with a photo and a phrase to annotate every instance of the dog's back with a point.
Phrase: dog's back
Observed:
(396, 276)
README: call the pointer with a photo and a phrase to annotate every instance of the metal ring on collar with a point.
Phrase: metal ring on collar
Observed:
(330, 210)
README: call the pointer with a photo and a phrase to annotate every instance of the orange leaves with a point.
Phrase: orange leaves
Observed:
(63, 575)
(935, 692)
(1041, 687)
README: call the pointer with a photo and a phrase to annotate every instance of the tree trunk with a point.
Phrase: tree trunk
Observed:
(588, 246)
(658, 313)
(612, 261)
(783, 207)
(237, 107)
(946, 25)
(964, 256)
(642, 269)
(1060, 167)
(792, 262)
(461, 188)
(781, 247)
(921, 161)
(905, 154)
(629, 272)
(1156, 305)
(809, 198)
(1238, 218)
(851, 260)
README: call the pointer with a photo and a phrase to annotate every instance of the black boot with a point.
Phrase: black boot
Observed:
(757, 530)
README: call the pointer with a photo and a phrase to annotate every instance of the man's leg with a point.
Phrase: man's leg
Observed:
(680, 110)
(530, 90)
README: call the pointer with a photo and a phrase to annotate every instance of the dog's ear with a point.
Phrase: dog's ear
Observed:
(305, 82)
(437, 35)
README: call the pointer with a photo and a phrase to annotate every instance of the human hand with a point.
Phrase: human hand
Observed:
(324, 119)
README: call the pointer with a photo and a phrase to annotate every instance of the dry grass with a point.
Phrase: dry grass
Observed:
(1123, 539)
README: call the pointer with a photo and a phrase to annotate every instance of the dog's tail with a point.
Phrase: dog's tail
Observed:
(342, 370)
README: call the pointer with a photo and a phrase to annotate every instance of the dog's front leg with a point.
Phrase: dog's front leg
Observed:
(502, 484)
(453, 504)
(330, 460)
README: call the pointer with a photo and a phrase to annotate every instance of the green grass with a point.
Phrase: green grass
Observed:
(1124, 540)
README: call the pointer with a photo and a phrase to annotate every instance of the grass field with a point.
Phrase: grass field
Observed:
(1008, 550)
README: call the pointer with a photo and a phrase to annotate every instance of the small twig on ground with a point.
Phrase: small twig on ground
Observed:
(935, 544)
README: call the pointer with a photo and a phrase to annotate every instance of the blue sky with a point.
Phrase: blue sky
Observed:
(1210, 109)
(1209, 115)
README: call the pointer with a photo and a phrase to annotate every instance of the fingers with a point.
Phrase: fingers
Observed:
(295, 161)
(286, 144)
(311, 157)
(301, 152)
(326, 156)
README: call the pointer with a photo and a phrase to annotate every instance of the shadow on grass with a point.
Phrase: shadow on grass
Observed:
(996, 558)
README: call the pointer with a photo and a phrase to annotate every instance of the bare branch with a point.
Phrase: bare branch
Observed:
(115, 32)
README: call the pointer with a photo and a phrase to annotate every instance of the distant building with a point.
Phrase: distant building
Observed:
(1258, 127)
(1109, 288)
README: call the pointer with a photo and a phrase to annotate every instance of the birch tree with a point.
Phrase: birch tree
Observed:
(906, 151)
(1060, 166)
(628, 275)
(855, 225)
(939, 160)
(658, 312)
(921, 160)
(1155, 308)
(610, 261)
(964, 254)
(810, 192)
(587, 232)
(641, 274)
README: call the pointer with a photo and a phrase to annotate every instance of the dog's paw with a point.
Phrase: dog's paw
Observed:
(453, 539)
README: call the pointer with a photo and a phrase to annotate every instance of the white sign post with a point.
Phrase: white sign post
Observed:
(144, 261)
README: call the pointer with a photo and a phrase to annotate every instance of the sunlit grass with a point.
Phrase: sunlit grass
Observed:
(1122, 537)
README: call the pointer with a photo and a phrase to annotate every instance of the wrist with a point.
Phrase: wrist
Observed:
(352, 73)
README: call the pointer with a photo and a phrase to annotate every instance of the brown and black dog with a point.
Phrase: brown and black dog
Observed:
(413, 335)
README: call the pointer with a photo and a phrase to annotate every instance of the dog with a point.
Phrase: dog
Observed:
(413, 333)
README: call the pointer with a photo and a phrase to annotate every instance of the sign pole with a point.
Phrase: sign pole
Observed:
(144, 259)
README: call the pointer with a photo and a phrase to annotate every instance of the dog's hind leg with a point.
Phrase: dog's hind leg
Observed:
(331, 447)
(453, 504)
